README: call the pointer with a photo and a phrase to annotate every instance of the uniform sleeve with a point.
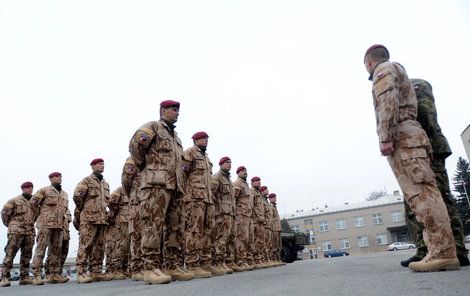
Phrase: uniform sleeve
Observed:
(69, 216)
(214, 186)
(386, 95)
(7, 212)
(38, 198)
(80, 194)
(114, 200)
(128, 174)
(139, 144)
(427, 116)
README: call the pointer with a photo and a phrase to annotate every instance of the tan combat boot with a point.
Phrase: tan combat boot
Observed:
(101, 277)
(156, 277)
(119, 275)
(258, 265)
(429, 265)
(179, 274)
(227, 269)
(25, 280)
(5, 282)
(235, 267)
(37, 280)
(138, 276)
(56, 279)
(199, 273)
(84, 278)
(215, 270)
(247, 266)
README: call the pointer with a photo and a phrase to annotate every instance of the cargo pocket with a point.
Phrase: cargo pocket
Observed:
(153, 177)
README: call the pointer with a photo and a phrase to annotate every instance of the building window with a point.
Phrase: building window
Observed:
(324, 226)
(295, 228)
(344, 243)
(308, 222)
(327, 245)
(382, 239)
(378, 219)
(362, 241)
(359, 222)
(397, 216)
(311, 234)
(340, 224)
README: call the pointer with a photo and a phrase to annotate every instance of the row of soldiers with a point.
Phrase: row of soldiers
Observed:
(171, 219)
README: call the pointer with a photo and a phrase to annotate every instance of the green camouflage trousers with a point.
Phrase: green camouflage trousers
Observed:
(18, 242)
(438, 167)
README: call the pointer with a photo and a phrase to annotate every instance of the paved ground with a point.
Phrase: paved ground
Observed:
(373, 274)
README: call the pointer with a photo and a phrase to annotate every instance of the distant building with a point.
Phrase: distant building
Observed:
(466, 140)
(360, 228)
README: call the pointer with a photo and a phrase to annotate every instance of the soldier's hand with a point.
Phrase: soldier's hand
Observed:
(386, 148)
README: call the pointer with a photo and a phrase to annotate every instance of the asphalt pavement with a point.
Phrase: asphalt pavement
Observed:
(371, 274)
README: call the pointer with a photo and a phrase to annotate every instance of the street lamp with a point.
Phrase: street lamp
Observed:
(465, 190)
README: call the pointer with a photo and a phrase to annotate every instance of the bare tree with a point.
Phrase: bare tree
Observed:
(374, 195)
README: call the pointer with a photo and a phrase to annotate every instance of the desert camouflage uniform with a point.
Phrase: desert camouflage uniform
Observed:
(268, 226)
(130, 180)
(395, 106)
(90, 197)
(53, 206)
(200, 220)
(276, 237)
(243, 218)
(65, 244)
(224, 201)
(18, 215)
(157, 151)
(119, 205)
(258, 225)
(427, 117)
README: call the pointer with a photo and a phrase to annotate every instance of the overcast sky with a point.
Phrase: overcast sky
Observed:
(279, 86)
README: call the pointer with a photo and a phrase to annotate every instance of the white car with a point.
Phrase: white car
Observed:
(401, 246)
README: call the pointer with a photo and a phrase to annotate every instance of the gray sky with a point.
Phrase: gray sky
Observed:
(279, 86)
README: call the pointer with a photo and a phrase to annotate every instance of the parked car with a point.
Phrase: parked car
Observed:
(335, 253)
(467, 239)
(400, 246)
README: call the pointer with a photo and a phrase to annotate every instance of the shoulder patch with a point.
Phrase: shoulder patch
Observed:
(8, 205)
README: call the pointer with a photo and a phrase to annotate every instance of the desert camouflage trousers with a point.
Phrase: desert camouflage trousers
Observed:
(267, 243)
(49, 239)
(22, 243)
(135, 231)
(63, 256)
(276, 245)
(200, 220)
(224, 243)
(416, 179)
(259, 240)
(91, 246)
(159, 208)
(243, 240)
(121, 249)
(109, 243)
(442, 180)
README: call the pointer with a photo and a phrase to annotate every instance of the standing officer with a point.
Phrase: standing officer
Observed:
(427, 117)
(224, 200)
(258, 223)
(243, 214)
(130, 180)
(52, 204)
(19, 215)
(64, 249)
(277, 229)
(90, 197)
(197, 202)
(407, 148)
(267, 227)
(158, 153)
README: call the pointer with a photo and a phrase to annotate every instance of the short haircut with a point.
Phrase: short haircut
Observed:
(378, 54)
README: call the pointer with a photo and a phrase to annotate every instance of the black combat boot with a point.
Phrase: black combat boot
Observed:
(406, 263)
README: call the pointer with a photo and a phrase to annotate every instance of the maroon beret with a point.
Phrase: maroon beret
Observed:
(96, 160)
(255, 179)
(263, 188)
(170, 103)
(375, 46)
(240, 168)
(272, 195)
(27, 185)
(200, 135)
(54, 174)
(224, 159)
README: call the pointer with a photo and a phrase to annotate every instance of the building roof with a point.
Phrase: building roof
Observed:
(383, 201)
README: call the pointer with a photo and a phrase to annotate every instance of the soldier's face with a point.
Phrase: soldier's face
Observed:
(227, 165)
(256, 183)
(243, 174)
(202, 142)
(265, 193)
(171, 114)
(56, 179)
(27, 190)
(368, 65)
(99, 167)
(272, 200)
